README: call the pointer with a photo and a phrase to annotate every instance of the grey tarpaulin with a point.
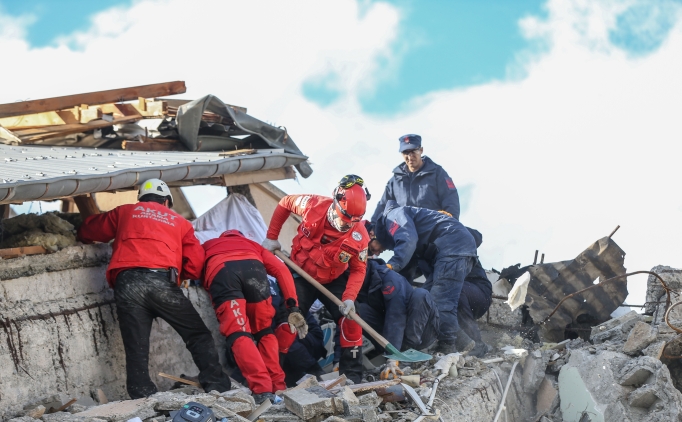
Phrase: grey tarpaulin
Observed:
(553, 281)
(262, 135)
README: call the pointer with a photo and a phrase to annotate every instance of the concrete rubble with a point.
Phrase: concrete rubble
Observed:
(623, 369)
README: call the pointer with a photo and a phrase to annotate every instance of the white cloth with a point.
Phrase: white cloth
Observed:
(232, 213)
(517, 296)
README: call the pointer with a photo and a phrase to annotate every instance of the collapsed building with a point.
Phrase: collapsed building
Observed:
(563, 347)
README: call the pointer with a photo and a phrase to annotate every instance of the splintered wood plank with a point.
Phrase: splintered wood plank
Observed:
(237, 152)
(8, 253)
(92, 98)
(32, 135)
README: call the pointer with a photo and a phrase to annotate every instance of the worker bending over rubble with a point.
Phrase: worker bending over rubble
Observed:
(445, 244)
(236, 276)
(419, 182)
(154, 248)
(474, 302)
(405, 316)
(328, 242)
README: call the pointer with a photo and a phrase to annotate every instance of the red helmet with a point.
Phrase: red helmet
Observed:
(350, 203)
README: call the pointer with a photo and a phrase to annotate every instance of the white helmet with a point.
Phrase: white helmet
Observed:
(156, 187)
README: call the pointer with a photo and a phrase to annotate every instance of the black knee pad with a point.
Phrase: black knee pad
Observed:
(230, 341)
(262, 333)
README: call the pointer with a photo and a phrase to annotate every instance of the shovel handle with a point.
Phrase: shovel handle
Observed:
(355, 317)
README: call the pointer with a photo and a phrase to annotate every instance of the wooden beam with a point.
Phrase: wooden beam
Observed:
(153, 146)
(175, 103)
(92, 98)
(248, 177)
(47, 132)
(86, 205)
(4, 211)
(9, 253)
(181, 205)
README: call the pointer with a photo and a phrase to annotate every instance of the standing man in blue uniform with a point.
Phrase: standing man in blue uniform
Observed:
(442, 242)
(419, 182)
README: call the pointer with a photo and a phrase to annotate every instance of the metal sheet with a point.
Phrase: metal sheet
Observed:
(29, 173)
(551, 282)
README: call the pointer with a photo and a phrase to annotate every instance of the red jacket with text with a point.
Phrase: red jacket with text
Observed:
(146, 235)
(322, 251)
(232, 246)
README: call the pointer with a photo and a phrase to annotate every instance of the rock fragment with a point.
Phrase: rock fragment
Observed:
(641, 335)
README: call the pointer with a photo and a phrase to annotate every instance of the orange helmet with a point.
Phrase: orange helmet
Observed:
(350, 199)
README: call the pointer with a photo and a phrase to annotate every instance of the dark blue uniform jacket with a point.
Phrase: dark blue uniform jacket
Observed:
(387, 293)
(477, 276)
(421, 232)
(429, 187)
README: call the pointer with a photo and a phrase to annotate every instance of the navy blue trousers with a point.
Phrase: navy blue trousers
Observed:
(446, 286)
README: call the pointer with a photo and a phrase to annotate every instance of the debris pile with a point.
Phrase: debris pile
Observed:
(51, 230)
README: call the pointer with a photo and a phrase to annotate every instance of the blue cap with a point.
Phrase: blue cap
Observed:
(408, 142)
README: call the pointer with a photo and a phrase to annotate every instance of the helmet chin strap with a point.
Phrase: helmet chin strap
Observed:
(332, 217)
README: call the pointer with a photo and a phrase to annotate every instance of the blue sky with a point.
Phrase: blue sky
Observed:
(442, 44)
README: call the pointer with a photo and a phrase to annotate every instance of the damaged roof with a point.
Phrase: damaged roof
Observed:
(31, 173)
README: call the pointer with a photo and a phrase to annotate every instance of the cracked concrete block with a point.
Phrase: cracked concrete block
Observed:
(546, 395)
(308, 403)
(615, 329)
(223, 412)
(637, 372)
(371, 399)
(641, 335)
(239, 405)
(36, 412)
(348, 396)
(174, 401)
(120, 410)
(23, 419)
(63, 417)
(362, 413)
(655, 349)
(534, 369)
(643, 397)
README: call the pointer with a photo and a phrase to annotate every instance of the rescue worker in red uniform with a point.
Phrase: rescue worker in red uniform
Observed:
(154, 248)
(328, 242)
(236, 276)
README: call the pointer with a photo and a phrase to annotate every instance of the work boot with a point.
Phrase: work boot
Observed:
(479, 350)
(260, 398)
(463, 342)
(445, 348)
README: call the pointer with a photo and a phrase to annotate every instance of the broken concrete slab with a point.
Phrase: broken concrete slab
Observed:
(174, 401)
(308, 403)
(534, 367)
(616, 329)
(223, 412)
(600, 384)
(348, 397)
(643, 397)
(121, 410)
(36, 412)
(655, 349)
(655, 294)
(547, 395)
(238, 405)
(641, 335)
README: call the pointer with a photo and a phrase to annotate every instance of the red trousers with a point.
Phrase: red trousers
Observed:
(241, 295)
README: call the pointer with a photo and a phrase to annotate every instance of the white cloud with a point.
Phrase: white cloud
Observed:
(585, 139)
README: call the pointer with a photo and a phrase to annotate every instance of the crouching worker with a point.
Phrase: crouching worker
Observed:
(236, 276)
(441, 241)
(474, 302)
(154, 248)
(405, 316)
